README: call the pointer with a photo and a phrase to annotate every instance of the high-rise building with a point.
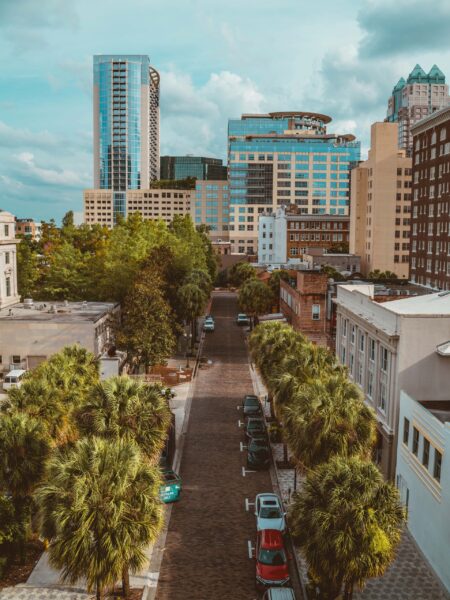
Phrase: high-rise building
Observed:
(200, 167)
(211, 207)
(417, 97)
(430, 230)
(380, 205)
(285, 158)
(126, 124)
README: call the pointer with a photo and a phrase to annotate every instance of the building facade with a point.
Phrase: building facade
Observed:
(8, 261)
(285, 158)
(412, 100)
(287, 234)
(200, 167)
(430, 242)
(28, 228)
(392, 346)
(151, 203)
(126, 125)
(423, 476)
(210, 206)
(380, 205)
(315, 258)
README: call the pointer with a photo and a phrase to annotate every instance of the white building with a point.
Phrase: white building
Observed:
(391, 346)
(423, 475)
(272, 237)
(8, 260)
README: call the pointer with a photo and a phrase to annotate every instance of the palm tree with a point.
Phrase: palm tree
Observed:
(120, 407)
(100, 509)
(328, 417)
(192, 299)
(255, 298)
(24, 447)
(348, 522)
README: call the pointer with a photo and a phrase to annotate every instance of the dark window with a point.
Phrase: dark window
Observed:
(437, 465)
(415, 446)
(406, 431)
(426, 453)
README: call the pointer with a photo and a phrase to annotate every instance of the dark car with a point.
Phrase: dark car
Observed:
(258, 453)
(255, 427)
(251, 406)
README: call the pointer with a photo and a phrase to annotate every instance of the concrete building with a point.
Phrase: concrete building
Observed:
(430, 244)
(286, 234)
(285, 158)
(126, 125)
(315, 258)
(380, 205)
(391, 346)
(31, 331)
(303, 303)
(28, 228)
(211, 206)
(423, 474)
(200, 167)
(8, 260)
(412, 100)
(153, 204)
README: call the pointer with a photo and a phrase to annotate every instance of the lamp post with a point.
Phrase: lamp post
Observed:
(188, 337)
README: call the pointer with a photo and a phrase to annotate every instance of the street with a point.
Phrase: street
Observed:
(206, 555)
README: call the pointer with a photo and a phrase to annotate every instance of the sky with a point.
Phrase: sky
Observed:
(217, 60)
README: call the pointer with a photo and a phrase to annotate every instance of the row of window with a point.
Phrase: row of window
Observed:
(425, 447)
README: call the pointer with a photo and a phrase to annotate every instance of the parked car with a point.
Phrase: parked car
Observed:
(258, 453)
(269, 512)
(14, 379)
(255, 426)
(279, 594)
(242, 319)
(272, 568)
(171, 488)
(208, 325)
(251, 406)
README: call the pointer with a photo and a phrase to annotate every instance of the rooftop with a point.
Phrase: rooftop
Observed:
(429, 304)
(438, 408)
(59, 312)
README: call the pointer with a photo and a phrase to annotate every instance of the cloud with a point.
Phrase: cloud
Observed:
(30, 14)
(62, 177)
(391, 28)
(14, 137)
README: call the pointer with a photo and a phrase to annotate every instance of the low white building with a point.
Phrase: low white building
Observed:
(8, 260)
(391, 346)
(423, 476)
(272, 238)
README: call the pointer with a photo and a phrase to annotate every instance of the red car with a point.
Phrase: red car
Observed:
(271, 559)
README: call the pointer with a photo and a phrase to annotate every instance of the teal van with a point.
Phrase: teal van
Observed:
(171, 488)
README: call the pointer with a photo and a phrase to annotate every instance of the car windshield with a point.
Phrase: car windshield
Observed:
(258, 444)
(269, 512)
(251, 401)
(169, 477)
(275, 558)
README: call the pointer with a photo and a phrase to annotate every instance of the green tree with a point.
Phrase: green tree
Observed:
(10, 531)
(120, 407)
(27, 268)
(146, 328)
(192, 300)
(100, 509)
(67, 220)
(255, 298)
(240, 273)
(339, 248)
(274, 284)
(348, 522)
(327, 417)
(24, 447)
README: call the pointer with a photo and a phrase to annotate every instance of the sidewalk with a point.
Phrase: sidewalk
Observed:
(409, 577)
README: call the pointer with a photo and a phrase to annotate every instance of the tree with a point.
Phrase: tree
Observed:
(121, 408)
(338, 248)
(348, 522)
(240, 273)
(24, 447)
(146, 330)
(376, 275)
(255, 298)
(27, 268)
(327, 417)
(274, 284)
(100, 509)
(192, 300)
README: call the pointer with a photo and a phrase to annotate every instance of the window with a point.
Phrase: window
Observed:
(382, 397)
(353, 334)
(370, 384)
(316, 312)
(371, 349)
(361, 341)
(7, 258)
(6, 230)
(384, 359)
(16, 359)
(344, 327)
(8, 286)
(426, 453)
(437, 465)
(415, 446)
(406, 431)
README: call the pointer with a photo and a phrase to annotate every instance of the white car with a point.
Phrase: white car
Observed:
(269, 513)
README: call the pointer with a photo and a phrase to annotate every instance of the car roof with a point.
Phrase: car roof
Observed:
(281, 594)
(271, 538)
(16, 373)
(242, 314)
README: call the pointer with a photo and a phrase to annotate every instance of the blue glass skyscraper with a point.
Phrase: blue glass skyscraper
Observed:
(285, 158)
(126, 124)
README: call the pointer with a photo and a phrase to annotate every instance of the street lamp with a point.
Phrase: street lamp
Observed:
(188, 337)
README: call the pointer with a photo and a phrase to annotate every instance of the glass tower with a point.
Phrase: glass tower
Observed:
(126, 124)
(181, 167)
(285, 158)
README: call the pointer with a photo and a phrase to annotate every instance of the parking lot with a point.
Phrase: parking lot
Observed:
(212, 528)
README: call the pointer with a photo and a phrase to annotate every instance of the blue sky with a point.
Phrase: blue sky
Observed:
(217, 59)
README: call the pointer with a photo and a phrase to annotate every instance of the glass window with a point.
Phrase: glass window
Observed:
(384, 359)
(437, 465)
(371, 349)
(316, 312)
(426, 453)
(405, 431)
(415, 446)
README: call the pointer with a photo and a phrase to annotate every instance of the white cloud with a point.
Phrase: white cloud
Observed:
(14, 137)
(62, 177)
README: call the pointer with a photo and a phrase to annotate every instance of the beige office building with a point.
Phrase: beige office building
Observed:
(211, 207)
(380, 205)
(151, 204)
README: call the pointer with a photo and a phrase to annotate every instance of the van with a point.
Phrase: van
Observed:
(279, 594)
(13, 379)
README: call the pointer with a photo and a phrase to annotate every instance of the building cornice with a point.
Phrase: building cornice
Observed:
(433, 120)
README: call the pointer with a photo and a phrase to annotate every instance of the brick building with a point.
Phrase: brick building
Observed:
(430, 245)
(303, 302)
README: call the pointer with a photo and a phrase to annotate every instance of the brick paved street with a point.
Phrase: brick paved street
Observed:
(206, 555)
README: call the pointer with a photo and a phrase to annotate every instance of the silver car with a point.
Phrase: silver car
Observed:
(269, 513)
